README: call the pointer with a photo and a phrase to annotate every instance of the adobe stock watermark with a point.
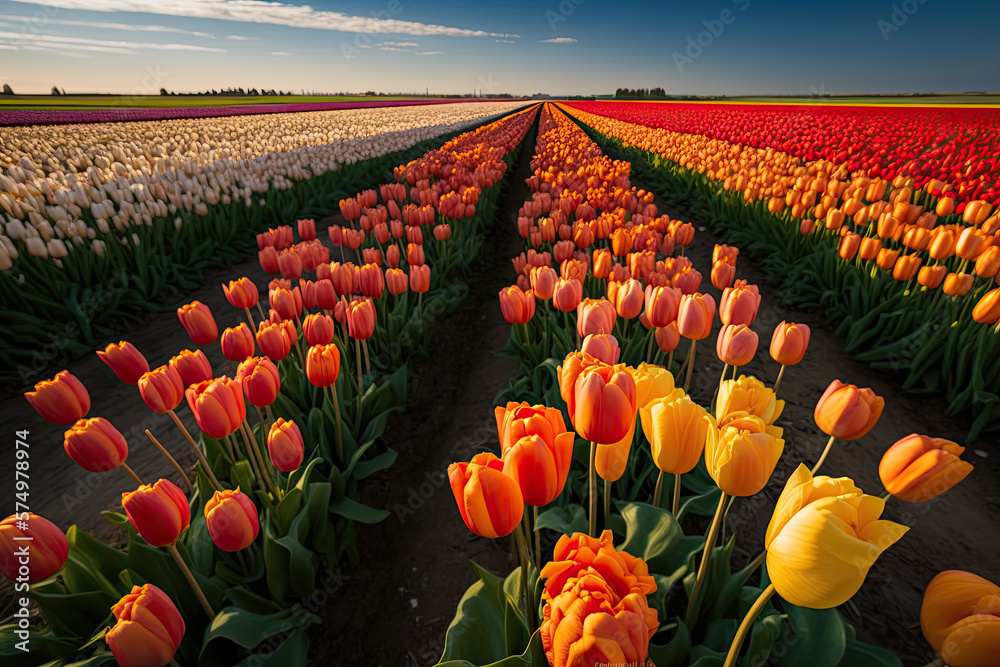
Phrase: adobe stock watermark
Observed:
(563, 11)
(898, 17)
(696, 44)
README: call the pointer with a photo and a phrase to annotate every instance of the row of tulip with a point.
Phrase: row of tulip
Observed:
(96, 219)
(957, 145)
(908, 276)
(36, 117)
(625, 585)
(230, 568)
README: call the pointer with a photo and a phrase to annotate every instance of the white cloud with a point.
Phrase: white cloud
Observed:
(429, 53)
(505, 41)
(398, 44)
(280, 53)
(241, 38)
(393, 48)
(111, 26)
(263, 11)
(559, 40)
(101, 45)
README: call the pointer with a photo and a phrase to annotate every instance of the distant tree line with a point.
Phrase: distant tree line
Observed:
(640, 93)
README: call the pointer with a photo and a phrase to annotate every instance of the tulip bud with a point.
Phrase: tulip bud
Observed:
(539, 467)
(323, 365)
(604, 404)
(668, 337)
(918, 468)
(489, 500)
(420, 278)
(238, 343)
(274, 340)
(739, 304)
(567, 295)
(958, 617)
(603, 347)
(260, 380)
(318, 329)
(395, 281)
(518, 307)
(47, 548)
(161, 389)
(285, 445)
(789, 343)
(232, 520)
(159, 512)
(736, 345)
(741, 452)
(95, 445)
(62, 400)
(126, 361)
(218, 406)
(846, 412)
(695, 315)
(241, 293)
(361, 318)
(676, 428)
(149, 628)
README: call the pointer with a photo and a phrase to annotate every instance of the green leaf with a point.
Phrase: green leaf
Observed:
(352, 509)
(858, 654)
(652, 534)
(675, 652)
(248, 630)
(565, 520)
(473, 634)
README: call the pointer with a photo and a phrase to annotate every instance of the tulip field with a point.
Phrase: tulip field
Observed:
(501, 383)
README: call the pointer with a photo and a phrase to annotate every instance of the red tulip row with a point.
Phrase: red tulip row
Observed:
(956, 145)
(254, 504)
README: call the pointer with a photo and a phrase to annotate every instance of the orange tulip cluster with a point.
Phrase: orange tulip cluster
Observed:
(907, 232)
(595, 604)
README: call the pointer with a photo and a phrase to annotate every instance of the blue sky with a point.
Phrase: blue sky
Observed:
(554, 46)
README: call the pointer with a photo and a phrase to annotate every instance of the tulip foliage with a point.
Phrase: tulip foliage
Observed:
(897, 246)
(610, 450)
(216, 567)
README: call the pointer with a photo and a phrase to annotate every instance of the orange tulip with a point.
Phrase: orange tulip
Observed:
(285, 445)
(489, 500)
(192, 366)
(627, 298)
(662, 305)
(159, 512)
(918, 467)
(886, 258)
(260, 380)
(789, 343)
(148, 628)
(942, 243)
(988, 264)
(95, 445)
(218, 406)
(371, 281)
(870, 248)
(567, 295)
(846, 412)
(62, 400)
(668, 337)
(736, 345)
(539, 466)
(274, 340)
(318, 329)
(695, 315)
(958, 284)
(161, 389)
(47, 548)
(906, 267)
(517, 420)
(960, 618)
(603, 261)
(420, 278)
(238, 342)
(723, 274)
(232, 520)
(971, 243)
(739, 304)
(543, 282)
(849, 246)
(126, 361)
(595, 316)
(323, 365)
(987, 311)
(517, 307)
(241, 293)
(604, 407)
(931, 277)
(415, 255)
(361, 318)
(603, 347)
(395, 281)
(198, 322)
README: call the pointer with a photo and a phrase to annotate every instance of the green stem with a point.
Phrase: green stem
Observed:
(361, 385)
(172, 549)
(340, 423)
(676, 506)
(781, 374)
(690, 366)
(658, 492)
(522, 549)
(197, 451)
(593, 489)
(538, 539)
(741, 633)
(607, 500)
(713, 533)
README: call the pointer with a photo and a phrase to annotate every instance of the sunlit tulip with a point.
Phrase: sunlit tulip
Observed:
(627, 298)
(274, 340)
(46, 545)
(957, 284)
(287, 302)
(198, 322)
(722, 275)
(918, 468)
(543, 282)
(668, 337)
(595, 316)
(318, 329)
(159, 512)
(567, 294)
(148, 628)
(192, 366)
(931, 277)
(517, 307)
(420, 278)
(662, 305)
(232, 521)
(651, 382)
(846, 412)
(307, 229)
(127, 362)
(323, 365)
(539, 466)
(361, 319)
(489, 500)
(517, 420)
(741, 452)
(238, 342)
(161, 389)
(695, 315)
(960, 618)
(241, 293)
(95, 445)
(676, 429)
(906, 267)
(747, 394)
(736, 345)
(789, 343)
(603, 347)
(218, 406)
(260, 380)
(396, 281)
(987, 311)
(604, 409)
(285, 445)
(62, 400)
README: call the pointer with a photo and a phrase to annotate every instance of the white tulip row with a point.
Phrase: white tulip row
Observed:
(131, 173)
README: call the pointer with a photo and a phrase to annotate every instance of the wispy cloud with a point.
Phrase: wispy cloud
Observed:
(398, 44)
(280, 53)
(241, 38)
(505, 41)
(393, 48)
(262, 11)
(99, 45)
(558, 40)
(429, 53)
(99, 25)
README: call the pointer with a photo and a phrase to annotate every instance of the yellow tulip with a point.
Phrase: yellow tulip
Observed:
(651, 382)
(676, 428)
(741, 453)
(611, 460)
(824, 536)
(748, 394)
